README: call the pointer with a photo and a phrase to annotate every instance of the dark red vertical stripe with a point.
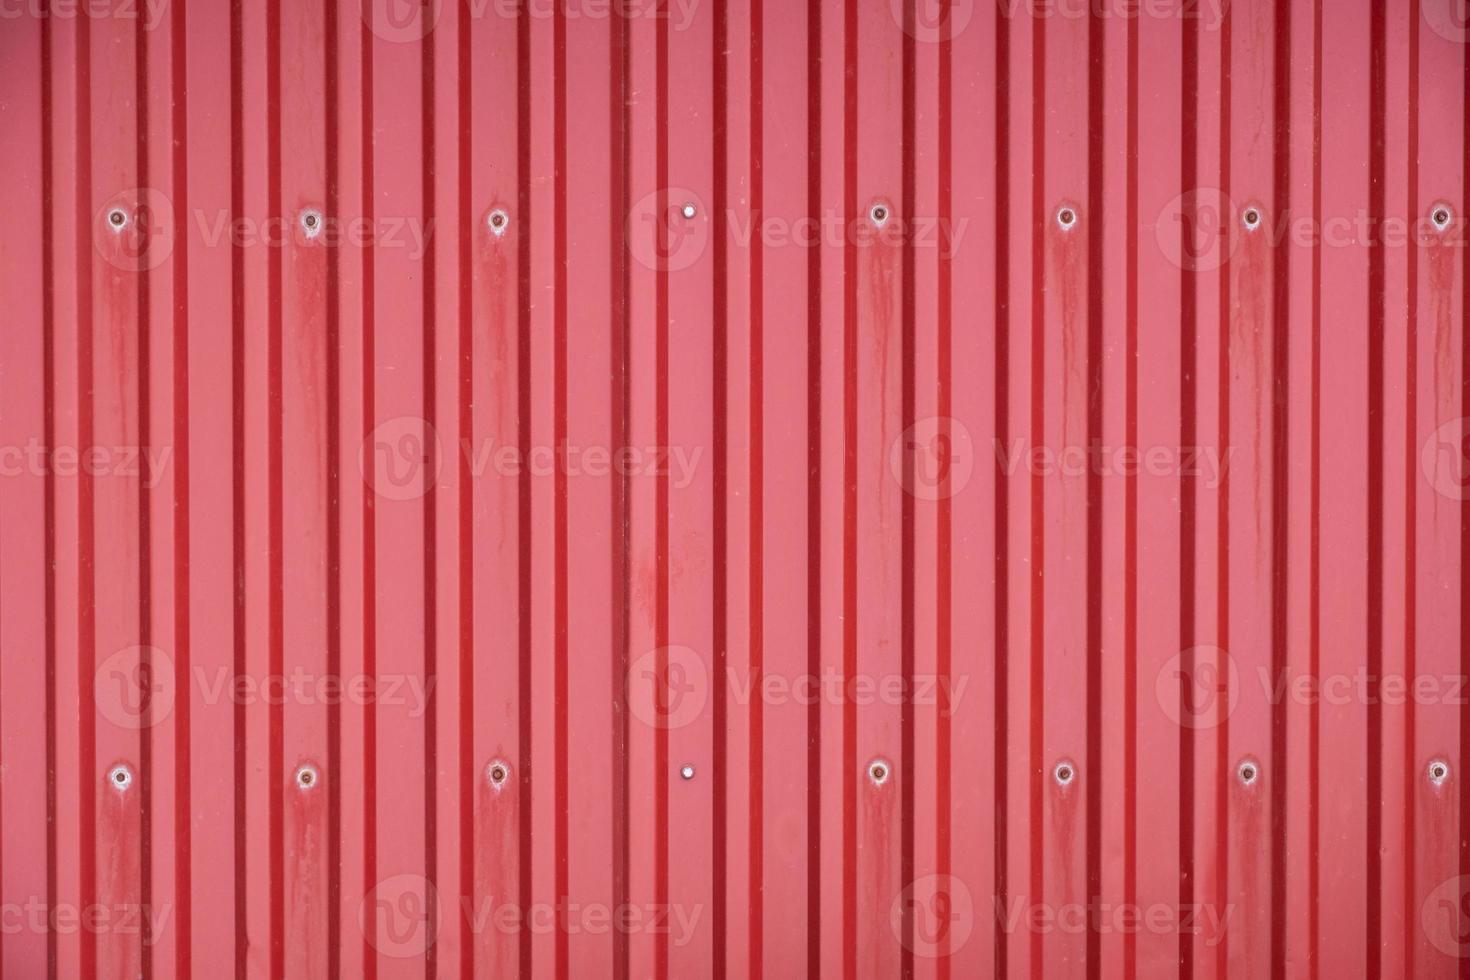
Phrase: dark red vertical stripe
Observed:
(86, 587)
(757, 495)
(334, 510)
(48, 423)
(1377, 190)
(1038, 487)
(1188, 363)
(1411, 479)
(1002, 702)
(1096, 93)
(1280, 484)
(1130, 515)
(369, 532)
(183, 836)
(1222, 525)
(274, 412)
(620, 396)
(523, 436)
(429, 367)
(237, 475)
(814, 488)
(559, 479)
(467, 764)
(943, 532)
(719, 388)
(661, 495)
(849, 494)
(1314, 721)
(145, 514)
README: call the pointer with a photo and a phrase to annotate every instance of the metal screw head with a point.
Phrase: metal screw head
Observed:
(688, 210)
(117, 219)
(1064, 773)
(1439, 771)
(1251, 218)
(878, 771)
(1441, 216)
(306, 777)
(686, 772)
(1066, 217)
(878, 214)
(498, 221)
(311, 222)
(497, 772)
(1248, 772)
(120, 777)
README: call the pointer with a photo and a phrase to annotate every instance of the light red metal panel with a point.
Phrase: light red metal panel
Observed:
(721, 488)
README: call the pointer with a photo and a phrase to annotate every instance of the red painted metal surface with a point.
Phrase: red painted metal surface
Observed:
(726, 488)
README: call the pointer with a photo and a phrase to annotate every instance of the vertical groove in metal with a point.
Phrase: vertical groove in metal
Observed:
(934, 697)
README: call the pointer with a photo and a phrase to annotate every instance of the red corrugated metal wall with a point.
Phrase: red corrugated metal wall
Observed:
(683, 488)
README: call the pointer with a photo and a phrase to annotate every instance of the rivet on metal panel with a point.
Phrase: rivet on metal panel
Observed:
(498, 220)
(688, 210)
(120, 776)
(878, 771)
(306, 777)
(117, 218)
(1439, 771)
(1064, 773)
(686, 772)
(497, 772)
(1066, 217)
(878, 214)
(1248, 771)
(1251, 218)
(311, 222)
(1441, 216)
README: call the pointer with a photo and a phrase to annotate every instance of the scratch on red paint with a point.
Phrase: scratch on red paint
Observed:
(497, 829)
(1248, 329)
